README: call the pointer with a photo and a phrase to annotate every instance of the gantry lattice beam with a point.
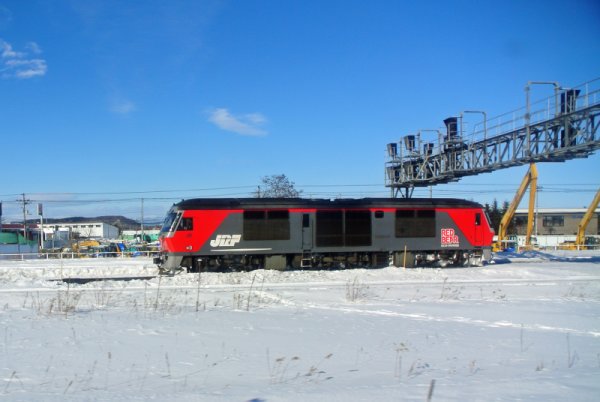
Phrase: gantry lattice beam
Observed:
(556, 129)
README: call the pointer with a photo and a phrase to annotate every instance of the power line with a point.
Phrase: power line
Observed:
(547, 189)
(301, 186)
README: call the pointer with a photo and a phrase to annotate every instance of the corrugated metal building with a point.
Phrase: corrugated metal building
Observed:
(94, 230)
(557, 221)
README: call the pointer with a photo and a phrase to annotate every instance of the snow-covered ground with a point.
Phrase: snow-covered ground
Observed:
(526, 327)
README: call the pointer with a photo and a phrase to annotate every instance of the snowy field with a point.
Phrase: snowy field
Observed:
(526, 327)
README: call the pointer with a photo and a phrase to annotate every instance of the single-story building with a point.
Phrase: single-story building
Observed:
(553, 226)
(94, 230)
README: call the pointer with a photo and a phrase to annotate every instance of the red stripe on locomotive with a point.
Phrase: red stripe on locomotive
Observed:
(464, 219)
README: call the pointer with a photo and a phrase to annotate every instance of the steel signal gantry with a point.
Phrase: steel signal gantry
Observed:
(555, 129)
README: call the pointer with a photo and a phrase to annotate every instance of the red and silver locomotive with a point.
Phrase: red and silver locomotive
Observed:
(292, 233)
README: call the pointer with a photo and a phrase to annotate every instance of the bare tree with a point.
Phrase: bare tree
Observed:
(276, 186)
(86, 231)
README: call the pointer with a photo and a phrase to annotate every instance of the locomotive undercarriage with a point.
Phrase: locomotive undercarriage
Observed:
(239, 262)
(227, 263)
(447, 259)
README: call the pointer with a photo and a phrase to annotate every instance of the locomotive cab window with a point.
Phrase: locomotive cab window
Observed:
(168, 223)
(267, 225)
(477, 219)
(415, 223)
(186, 224)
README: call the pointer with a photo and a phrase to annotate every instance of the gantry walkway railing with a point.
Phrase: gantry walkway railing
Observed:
(558, 128)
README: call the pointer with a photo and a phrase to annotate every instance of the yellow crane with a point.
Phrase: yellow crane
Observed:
(579, 243)
(529, 181)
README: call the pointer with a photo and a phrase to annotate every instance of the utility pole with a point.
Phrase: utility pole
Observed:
(25, 202)
(537, 209)
(143, 238)
(40, 211)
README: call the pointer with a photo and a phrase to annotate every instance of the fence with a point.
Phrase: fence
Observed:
(570, 247)
(75, 255)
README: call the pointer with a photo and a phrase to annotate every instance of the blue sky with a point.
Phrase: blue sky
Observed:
(123, 100)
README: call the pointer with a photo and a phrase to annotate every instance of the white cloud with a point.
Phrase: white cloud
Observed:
(247, 124)
(7, 50)
(122, 106)
(33, 48)
(27, 68)
(14, 64)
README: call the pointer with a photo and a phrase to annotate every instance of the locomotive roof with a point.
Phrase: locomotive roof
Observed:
(237, 203)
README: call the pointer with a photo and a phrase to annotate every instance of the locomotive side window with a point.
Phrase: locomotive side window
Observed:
(254, 215)
(338, 229)
(266, 225)
(378, 214)
(415, 223)
(358, 228)
(279, 225)
(186, 224)
(477, 219)
(254, 225)
(330, 229)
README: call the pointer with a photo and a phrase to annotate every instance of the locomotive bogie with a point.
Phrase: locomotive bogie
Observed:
(237, 234)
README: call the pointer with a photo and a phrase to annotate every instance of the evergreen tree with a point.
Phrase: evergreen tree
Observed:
(496, 214)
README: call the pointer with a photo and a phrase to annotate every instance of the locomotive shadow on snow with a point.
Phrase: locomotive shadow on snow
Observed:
(317, 269)
(83, 281)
